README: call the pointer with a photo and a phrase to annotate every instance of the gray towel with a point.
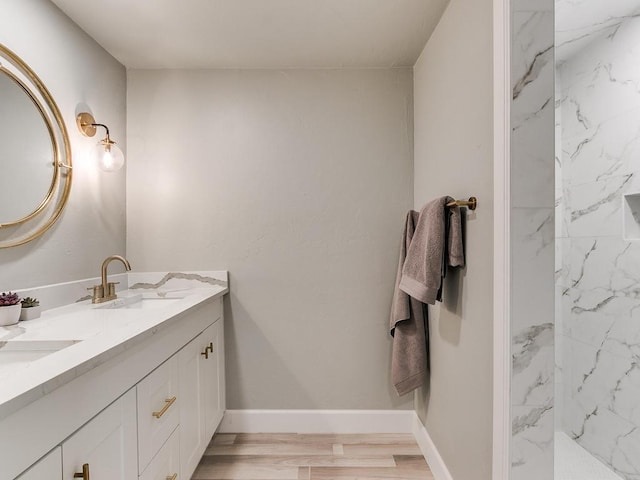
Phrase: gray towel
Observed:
(436, 244)
(408, 327)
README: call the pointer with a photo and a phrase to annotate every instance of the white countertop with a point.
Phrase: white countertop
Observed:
(90, 335)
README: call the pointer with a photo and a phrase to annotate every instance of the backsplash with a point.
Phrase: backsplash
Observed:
(176, 280)
(57, 295)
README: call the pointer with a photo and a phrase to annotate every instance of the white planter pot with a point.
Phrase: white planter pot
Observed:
(10, 315)
(30, 313)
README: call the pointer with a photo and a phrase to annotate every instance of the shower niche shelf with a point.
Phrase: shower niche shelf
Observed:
(631, 216)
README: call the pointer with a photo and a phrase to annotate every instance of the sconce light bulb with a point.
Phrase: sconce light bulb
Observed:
(109, 156)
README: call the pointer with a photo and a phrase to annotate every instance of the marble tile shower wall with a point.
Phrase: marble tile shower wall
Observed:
(599, 275)
(561, 246)
(532, 186)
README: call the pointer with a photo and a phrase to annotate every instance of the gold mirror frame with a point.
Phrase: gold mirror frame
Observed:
(49, 210)
(54, 142)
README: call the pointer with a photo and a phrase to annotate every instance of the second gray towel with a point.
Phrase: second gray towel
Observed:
(408, 327)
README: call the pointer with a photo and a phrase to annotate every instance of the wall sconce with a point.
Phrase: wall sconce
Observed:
(107, 154)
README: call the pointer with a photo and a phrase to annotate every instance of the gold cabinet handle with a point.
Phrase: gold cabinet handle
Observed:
(205, 354)
(168, 403)
(173, 477)
(210, 347)
(84, 474)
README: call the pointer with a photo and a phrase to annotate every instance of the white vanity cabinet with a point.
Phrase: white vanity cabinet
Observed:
(48, 468)
(147, 413)
(106, 445)
(201, 373)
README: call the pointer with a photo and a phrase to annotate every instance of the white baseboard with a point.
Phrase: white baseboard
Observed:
(317, 421)
(429, 450)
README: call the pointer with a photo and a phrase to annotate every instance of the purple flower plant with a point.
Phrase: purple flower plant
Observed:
(9, 299)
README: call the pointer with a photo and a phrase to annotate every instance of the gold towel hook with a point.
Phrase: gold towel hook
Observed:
(471, 204)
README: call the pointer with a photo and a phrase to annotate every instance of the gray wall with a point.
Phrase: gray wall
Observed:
(453, 156)
(297, 182)
(77, 71)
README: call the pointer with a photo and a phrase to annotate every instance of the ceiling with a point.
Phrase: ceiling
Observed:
(259, 33)
(579, 22)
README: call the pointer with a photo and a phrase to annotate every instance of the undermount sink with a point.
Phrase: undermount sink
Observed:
(16, 353)
(141, 302)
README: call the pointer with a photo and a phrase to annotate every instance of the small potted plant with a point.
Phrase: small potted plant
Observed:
(9, 309)
(30, 308)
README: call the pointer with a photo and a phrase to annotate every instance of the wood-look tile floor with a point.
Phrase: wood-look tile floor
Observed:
(293, 456)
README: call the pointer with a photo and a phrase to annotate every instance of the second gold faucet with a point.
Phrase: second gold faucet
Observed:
(107, 291)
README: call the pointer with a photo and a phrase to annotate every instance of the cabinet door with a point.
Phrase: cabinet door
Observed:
(47, 468)
(192, 400)
(213, 378)
(108, 443)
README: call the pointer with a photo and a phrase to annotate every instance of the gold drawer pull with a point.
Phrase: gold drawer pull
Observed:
(205, 354)
(85, 472)
(173, 477)
(210, 347)
(169, 402)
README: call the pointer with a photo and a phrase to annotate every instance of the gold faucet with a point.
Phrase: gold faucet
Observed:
(107, 291)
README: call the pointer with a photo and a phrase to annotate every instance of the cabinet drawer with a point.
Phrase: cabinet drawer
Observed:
(158, 410)
(166, 463)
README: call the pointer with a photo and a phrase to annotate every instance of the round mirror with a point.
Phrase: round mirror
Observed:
(26, 152)
(35, 156)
